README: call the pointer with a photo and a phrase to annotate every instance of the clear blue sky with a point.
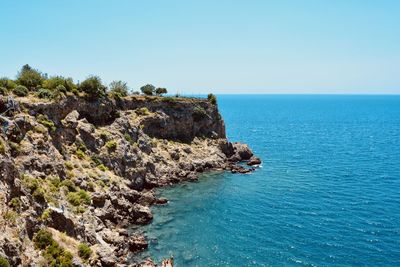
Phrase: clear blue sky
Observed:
(223, 46)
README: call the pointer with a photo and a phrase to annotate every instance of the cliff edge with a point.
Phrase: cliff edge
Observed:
(75, 174)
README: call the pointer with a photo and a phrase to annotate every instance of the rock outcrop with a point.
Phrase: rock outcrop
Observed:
(86, 170)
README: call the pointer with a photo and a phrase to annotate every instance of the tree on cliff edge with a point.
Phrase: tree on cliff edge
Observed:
(148, 89)
(93, 88)
(30, 77)
(119, 88)
(161, 91)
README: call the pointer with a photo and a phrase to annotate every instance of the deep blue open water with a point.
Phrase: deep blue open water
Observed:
(328, 192)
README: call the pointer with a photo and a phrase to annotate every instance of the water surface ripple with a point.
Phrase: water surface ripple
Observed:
(328, 192)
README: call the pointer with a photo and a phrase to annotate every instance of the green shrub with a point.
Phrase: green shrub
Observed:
(44, 93)
(84, 251)
(60, 83)
(7, 83)
(39, 194)
(10, 216)
(31, 183)
(54, 181)
(111, 145)
(84, 196)
(46, 214)
(161, 91)
(45, 121)
(34, 186)
(148, 89)
(93, 88)
(74, 199)
(212, 98)
(3, 91)
(20, 90)
(69, 165)
(15, 203)
(29, 77)
(53, 252)
(80, 154)
(4, 262)
(119, 89)
(61, 88)
(78, 198)
(43, 239)
(102, 167)
(69, 185)
(142, 111)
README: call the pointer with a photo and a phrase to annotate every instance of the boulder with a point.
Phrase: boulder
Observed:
(71, 120)
(254, 161)
(58, 219)
(241, 152)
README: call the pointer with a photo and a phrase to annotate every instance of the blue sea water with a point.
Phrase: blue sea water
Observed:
(327, 194)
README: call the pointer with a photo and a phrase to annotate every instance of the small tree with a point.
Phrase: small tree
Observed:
(148, 89)
(212, 98)
(93, 88)
(119, 88)
(161, 91)
(7, 83)
(53, 82)
(29, 77)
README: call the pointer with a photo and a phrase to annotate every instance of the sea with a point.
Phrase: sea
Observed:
(327, 192)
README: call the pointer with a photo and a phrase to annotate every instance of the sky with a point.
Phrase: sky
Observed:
(202, 46)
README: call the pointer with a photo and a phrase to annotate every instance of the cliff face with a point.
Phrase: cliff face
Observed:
(84, 171)
(175, 119)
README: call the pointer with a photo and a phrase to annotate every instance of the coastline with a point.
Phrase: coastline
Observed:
(108, 157)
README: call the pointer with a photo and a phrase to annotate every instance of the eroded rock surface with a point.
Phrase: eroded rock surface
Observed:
(86, 170)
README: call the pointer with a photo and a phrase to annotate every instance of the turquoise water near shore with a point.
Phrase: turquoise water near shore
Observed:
(327, 194)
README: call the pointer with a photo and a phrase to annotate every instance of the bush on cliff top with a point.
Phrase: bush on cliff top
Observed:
(20, 90)
(44, 93)
(148, 89)
(119, 89)
(212, 98)
(7, 83)
(3, 91)
(93, 88)
(161, 91)
(56, 81)
(30, 78)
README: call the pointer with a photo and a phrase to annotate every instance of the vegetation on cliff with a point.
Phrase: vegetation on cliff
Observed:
(31, 81)
(79, 169)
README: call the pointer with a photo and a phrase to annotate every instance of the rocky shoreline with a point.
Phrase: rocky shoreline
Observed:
(85, 170)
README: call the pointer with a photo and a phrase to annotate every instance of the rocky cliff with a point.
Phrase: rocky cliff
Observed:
(77, 174)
